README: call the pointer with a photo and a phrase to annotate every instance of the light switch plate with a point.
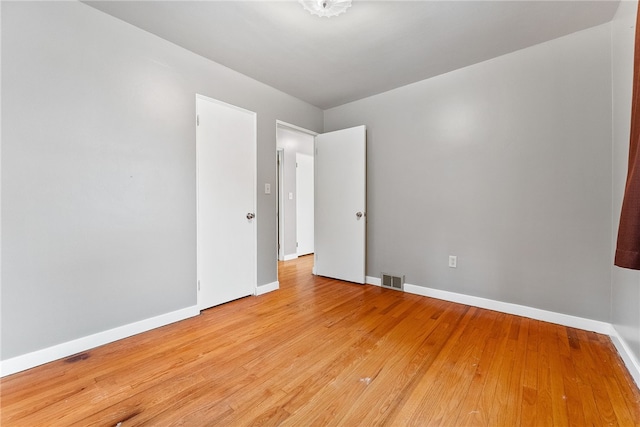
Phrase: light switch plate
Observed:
(453, 261)
(267, 188)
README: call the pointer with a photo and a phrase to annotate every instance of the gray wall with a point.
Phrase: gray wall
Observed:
(291, 142)
(98, 171)
(625, 288)
(506, 164)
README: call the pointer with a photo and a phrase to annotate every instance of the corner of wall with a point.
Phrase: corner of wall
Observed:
(59, 351)
(629, 359)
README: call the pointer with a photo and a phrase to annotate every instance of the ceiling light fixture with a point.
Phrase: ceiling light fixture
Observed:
(326, 8)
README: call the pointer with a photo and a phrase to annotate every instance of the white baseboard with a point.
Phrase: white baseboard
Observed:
(290, 257)
(59, 351)
(506, 307)
(519, 310)
(630, 361)
(369, 280)
(269, 287)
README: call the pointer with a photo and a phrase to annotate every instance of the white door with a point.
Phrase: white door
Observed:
(304, 204)
(226, 167)
(340, 201)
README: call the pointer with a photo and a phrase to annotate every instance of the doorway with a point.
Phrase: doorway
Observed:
(295, 192)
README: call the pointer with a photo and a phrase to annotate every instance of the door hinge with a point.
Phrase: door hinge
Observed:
(198, 284)
(296, 244)
(197, 119)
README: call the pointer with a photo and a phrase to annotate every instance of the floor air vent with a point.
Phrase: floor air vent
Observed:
(393, 282)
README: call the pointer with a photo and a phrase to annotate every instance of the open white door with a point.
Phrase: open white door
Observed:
(226, 168)
(340, 202)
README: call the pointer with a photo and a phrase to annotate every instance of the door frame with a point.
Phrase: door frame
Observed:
(281, 194)
(280, 202)
(254, 269)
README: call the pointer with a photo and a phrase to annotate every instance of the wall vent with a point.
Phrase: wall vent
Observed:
(392, 282)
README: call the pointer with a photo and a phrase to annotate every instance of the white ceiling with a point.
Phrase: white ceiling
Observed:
(374, 47)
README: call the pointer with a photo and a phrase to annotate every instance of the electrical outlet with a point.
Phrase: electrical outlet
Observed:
(267, 188)
(453, 261)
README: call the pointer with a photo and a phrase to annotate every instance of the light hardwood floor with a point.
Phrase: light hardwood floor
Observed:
(323, 352)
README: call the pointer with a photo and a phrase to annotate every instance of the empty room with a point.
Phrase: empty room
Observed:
(338, 212)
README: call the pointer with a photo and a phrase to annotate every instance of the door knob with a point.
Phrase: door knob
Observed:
(359, 215)
(251, 215)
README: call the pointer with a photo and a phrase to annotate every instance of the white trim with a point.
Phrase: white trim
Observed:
(630, 361)
(510, 308)
(59, 351)
(256, 219)
(290, 257)
(280, 201)
(269, 287)
(294, 127)
(197, 204)
(226, 104)
(369, 280)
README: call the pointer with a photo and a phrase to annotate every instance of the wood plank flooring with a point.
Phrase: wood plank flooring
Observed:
(322, 352)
